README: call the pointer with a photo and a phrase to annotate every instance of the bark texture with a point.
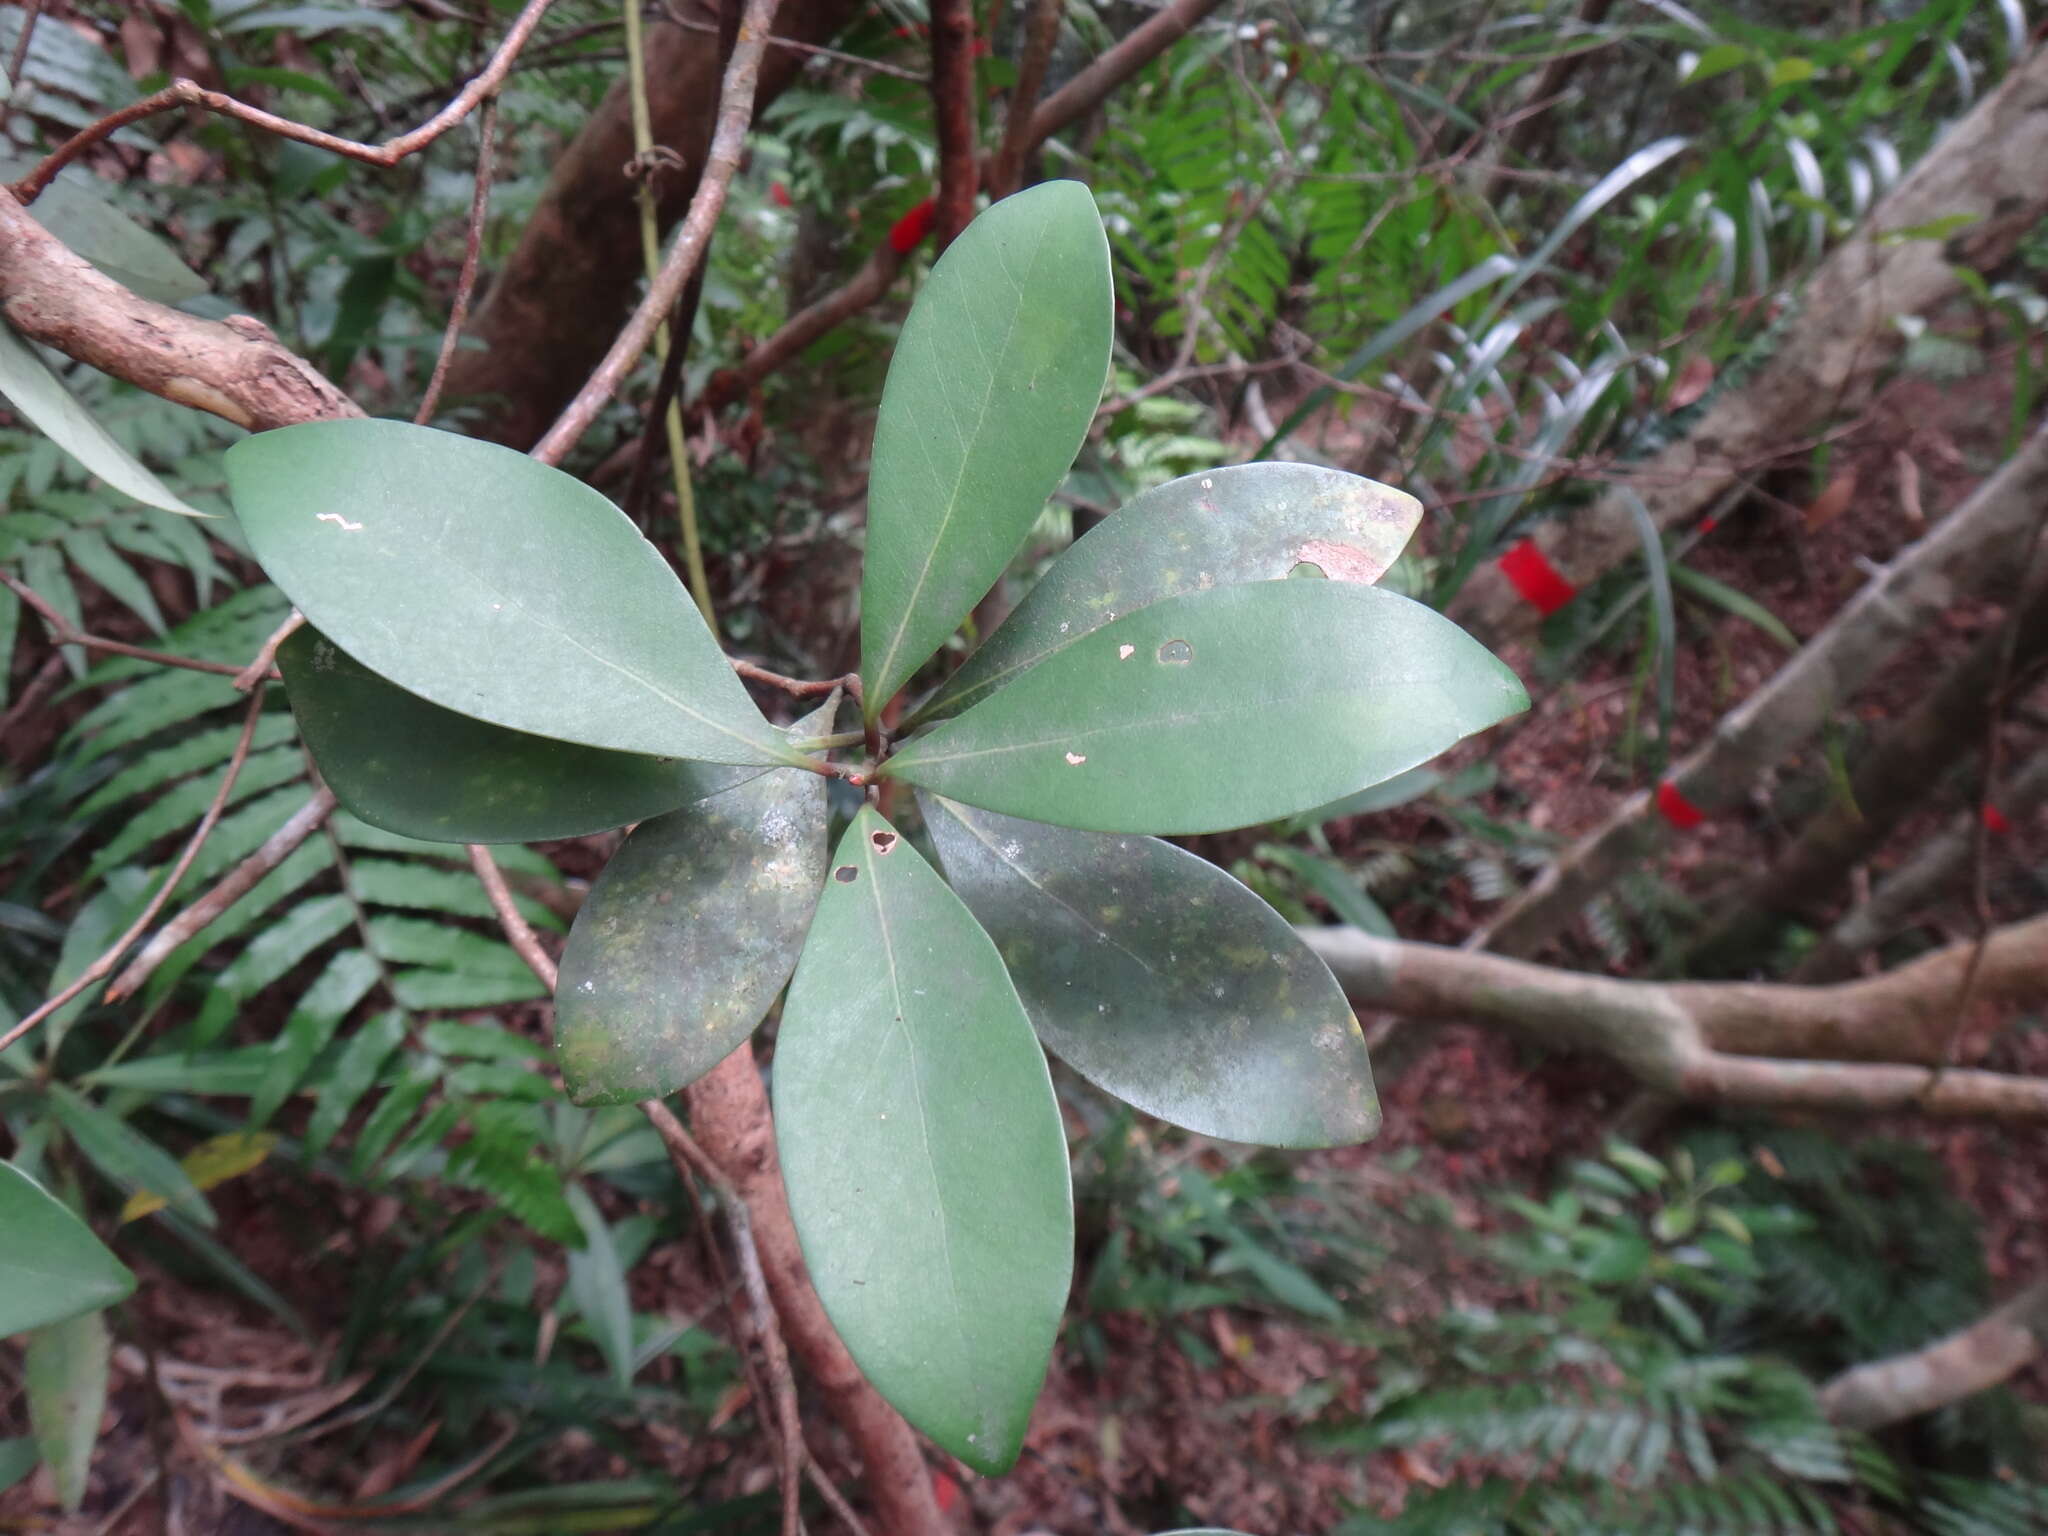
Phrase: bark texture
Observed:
(1839, 346)
(729, 1109)
(1990, 1350)
(567, 287)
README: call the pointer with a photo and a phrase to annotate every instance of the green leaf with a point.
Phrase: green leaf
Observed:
(67, 1392)
(1717, 60)
(494, 586)
(597, 1285)
(1162, 980)
(32, 389)
(18, 1458)
(1334, 883)
(127, 1157)
(410, 766)
(994, 382)
(75, 210)
(1220, 528)
(688, 935)
(923, 1150)
(52, 1267)
(1220, 709)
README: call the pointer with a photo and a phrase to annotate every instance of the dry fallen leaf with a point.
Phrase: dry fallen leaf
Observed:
(1832, 502)
(1908, 470)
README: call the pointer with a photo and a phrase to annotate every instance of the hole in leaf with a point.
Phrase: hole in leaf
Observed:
(1176, 653)
(884, 842)
(846, 874)
(1310, 570)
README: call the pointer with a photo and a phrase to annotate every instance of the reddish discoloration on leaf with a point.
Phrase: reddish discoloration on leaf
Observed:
(1342, 562)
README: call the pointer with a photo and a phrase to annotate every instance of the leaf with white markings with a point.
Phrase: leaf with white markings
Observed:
(922, 1146)
(1159, 978)
(990, 393)
(1220, 709)
(1220, 528)
(494, 586)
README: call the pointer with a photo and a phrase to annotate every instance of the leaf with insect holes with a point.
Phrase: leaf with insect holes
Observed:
(1162, 980)
(52, 1266)
(688, 935)
(494, 586)
(409, 766)
(990, 393)
(1220, 528)
(46, 401)
(922, 1147)
(1220, 709)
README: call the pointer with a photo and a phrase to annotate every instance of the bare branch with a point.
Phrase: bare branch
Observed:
(1041, 31)
(1974, 1359)
(236, 369)
(472, 249)
(111, 955)
(64, 632)
(953, 111)
(189, 93)
(518, 931)
(735, 113)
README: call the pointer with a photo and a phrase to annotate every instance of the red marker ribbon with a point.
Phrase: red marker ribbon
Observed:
(910, 230)
(1676, 809)
(1540, 583)
(1994, 819)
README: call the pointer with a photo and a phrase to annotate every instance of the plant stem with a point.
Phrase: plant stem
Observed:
(650, 250)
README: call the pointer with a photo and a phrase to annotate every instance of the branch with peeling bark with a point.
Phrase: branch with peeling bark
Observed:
(1859, 1047)
(1973, 1359)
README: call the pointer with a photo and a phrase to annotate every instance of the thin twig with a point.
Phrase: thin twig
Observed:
(691, 1158)
(1041, 31)
(472, 249)
(189, 93)
(33, 693)
(31, 13)
(721, 163)
(64, 632)
(517, 929)
(952, 88)
(797, 687)
(261, 664)
(113, 952)
(233, 886)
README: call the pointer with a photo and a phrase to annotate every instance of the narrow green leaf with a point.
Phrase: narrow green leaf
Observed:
(410, 766)
(995, 380)
(32, 389)
(92, 554)
(688, 935)
(1220, 709)
(597, 1284)
(18, 1458)
(1162, 980)
(1334, 883)
(51, 1267)
(67, 1392)
(1219, 528)
(494, 586)
(923, 1150)
(361, 1061)
(127, 1157)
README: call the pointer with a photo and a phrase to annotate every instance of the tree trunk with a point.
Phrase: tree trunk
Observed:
(568, 286)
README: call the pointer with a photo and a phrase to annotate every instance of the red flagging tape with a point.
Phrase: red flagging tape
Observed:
(911, 229)
(1676, 809)
(1532, 575)
(1994, 819)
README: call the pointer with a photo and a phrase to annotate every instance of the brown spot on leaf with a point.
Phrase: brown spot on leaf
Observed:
(884, 842)
(846, 874)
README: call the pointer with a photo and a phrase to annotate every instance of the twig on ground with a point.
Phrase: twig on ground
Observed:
(189, 93)
(232, 887)
(472, 250)
(111, 955)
